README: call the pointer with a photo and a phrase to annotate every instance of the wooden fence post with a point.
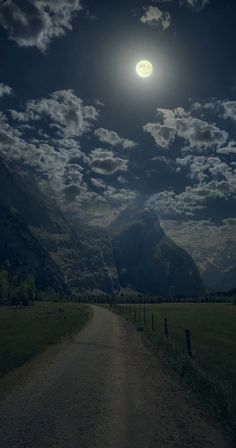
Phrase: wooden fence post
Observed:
(153, 323)
(188, 343)
(166, 328)
(144, 317)
(139, 314)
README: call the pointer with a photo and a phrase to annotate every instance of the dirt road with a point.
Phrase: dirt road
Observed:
(104, 389)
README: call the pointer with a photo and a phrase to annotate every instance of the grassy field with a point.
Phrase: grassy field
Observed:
(26, 332)
(212, 370)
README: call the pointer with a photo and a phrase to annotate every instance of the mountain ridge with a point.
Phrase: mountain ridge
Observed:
(82, 258)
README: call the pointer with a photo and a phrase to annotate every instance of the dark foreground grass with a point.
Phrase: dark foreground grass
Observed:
(212, 370)
(26, 332)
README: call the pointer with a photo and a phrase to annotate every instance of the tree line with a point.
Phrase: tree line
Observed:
(24, 292)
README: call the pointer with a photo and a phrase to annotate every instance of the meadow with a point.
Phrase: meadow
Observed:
(27, 331)
(211, 370)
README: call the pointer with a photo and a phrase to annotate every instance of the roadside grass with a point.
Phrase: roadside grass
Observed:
(25, 332)
(211, 372)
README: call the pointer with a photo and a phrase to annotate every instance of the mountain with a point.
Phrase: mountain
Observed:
(148, 261)
(69, 255)
(37, 238)
(218, 267)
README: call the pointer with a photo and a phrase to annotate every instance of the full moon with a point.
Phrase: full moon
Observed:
(144, 69)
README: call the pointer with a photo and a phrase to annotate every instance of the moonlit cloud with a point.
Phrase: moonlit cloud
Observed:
(66, 114)
(179, 123)
(5, 90)
(35, 23)
(113, 139)
(153, 16)
(192, 199)
(105, 162)
(196, 5)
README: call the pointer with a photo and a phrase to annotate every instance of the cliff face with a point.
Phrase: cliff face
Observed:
(148, 261)
(35, 233)
(36, 238)
(22, 255)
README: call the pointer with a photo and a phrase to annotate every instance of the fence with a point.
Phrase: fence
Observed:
(186, 361)
(147, 322)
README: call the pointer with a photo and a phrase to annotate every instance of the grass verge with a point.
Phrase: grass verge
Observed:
(211, 372)
(26, 332)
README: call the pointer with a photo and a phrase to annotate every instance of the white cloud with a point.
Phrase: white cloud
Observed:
(66, 114)
(195, 132)
(113, 139)
(106, 163)
(153, 16)
(192, 199)
(202, 168)
(196, 5)
(37, 22)
(5, 90)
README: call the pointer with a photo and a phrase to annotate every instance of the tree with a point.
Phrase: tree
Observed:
(22, 294)
(4, 287)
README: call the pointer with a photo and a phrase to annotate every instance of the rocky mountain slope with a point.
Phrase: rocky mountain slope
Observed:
(68, 252)
(65, 253)
(217, 266)
(148, 261)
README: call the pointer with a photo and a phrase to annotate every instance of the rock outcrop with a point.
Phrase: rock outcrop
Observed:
(148, 261)
(64, 253)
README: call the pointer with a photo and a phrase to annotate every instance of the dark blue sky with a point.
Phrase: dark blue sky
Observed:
(168, 142)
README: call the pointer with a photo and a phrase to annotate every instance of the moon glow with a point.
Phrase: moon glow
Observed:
(144, 69)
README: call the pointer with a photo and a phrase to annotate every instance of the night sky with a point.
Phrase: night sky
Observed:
(77, 118)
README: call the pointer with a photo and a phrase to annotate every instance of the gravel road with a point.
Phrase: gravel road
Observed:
(103, 389)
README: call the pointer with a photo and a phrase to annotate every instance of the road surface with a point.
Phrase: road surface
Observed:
(103, 389)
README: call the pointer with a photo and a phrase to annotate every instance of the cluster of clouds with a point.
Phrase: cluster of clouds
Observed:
(45, 136)
(113, 139)
(204, 155)
(34, 23)
(196, 5)
(5, 90)
(190, 168)
(154, 16)
(195, 132)
(65, 113)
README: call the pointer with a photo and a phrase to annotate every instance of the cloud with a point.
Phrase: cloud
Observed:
(66, 114)
(45, 137)
(35, 23)
(195, 132)
(153, 16)
(5, 90)
(106, 163)
(192, 199)
(113, 139)
(196, 5)
(202, 168)
(222, 108)
(163, 135)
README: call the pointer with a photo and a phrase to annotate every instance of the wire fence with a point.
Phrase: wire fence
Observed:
(183, 357)
(146, 321)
